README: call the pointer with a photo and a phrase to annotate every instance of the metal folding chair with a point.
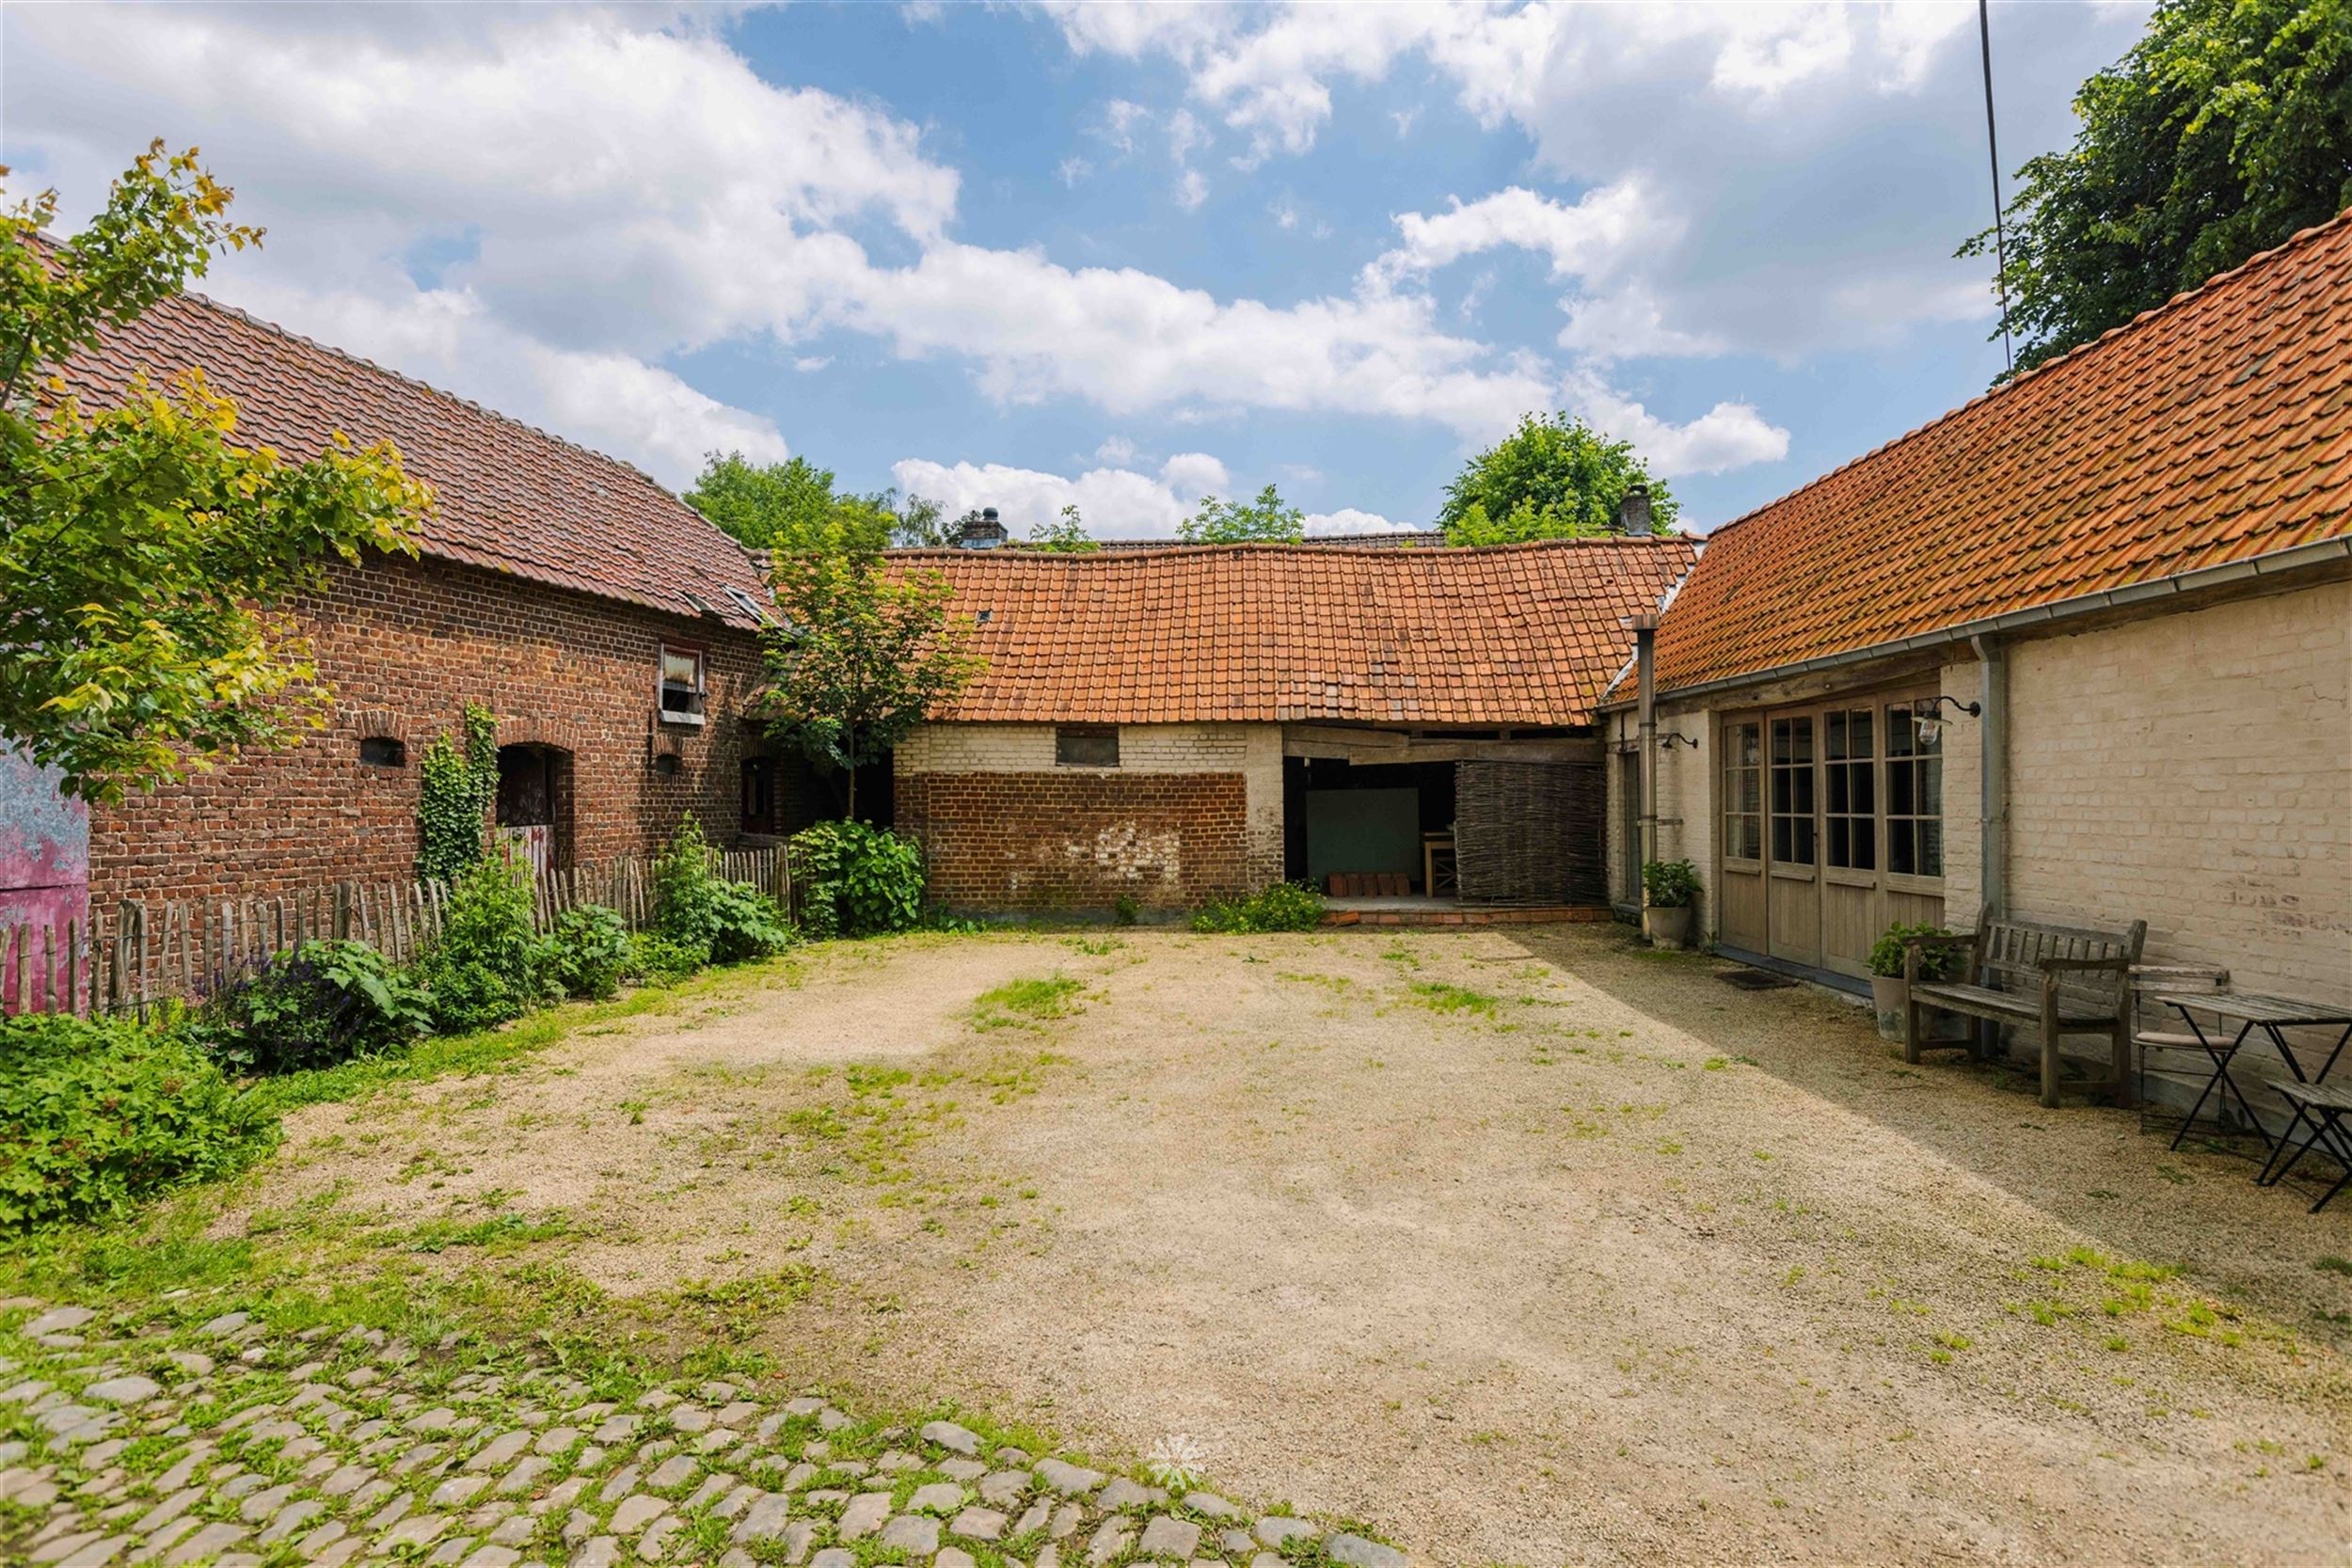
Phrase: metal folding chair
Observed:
(2324, 1106)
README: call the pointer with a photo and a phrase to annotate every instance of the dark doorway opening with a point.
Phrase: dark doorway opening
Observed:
(801, 792)
(1365, 820)
(534, 805)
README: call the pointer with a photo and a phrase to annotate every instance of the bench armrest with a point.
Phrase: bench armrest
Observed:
(2054, 966)
(1942, 939)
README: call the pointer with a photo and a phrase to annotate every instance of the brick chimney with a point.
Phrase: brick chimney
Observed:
(983, 532)
(1633, 511)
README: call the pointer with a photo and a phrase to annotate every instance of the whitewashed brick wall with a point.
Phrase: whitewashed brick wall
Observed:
(2195, 771)
(2192, 770)
(1687, 785)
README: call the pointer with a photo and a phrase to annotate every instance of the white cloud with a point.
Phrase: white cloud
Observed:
(1129, 30)
(1121, 116)
(1072, 169)
(1115, 501)
(1626, 325)
(1728, 436)
(1114, 504)
(809, 362)
(1600, 233)
(1348, 520)
(1117, 451)
(1762, 123)
(1194, 474)
(1192, 189)
(1131, 341)
(607, 191)
(608, 401)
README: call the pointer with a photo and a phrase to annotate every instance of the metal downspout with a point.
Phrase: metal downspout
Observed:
(1993, 774)
(1992, 802)
(1645, 650)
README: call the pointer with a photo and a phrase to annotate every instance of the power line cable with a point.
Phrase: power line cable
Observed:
(1993, 150)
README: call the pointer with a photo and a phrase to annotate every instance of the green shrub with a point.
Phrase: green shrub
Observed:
(588, 952)
(321, 1004)
(94, 1116)
(857, 881)
(487, 966)
(1126, 912)
(1887, 954)
(1277, 907)
(658, 961)
(1670, 884)
(746, 924)
(685, 891)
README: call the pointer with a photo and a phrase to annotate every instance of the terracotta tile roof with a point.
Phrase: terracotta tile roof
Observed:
(1515, 634)
(2212, 429)
(512, 499)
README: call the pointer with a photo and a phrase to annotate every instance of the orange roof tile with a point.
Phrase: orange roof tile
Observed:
(2212, 429)
(1512, 634)
(511, 499)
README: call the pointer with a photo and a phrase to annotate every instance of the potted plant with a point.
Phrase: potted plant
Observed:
(1669, 888)
(1889, 991)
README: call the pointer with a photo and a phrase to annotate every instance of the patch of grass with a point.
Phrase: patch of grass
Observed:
(1028, 1003)
(498, 1050)
(1440, 997)
(502, 1232)
(2332, 1264)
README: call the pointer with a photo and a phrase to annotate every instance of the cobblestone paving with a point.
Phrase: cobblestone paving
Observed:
(220, 1442)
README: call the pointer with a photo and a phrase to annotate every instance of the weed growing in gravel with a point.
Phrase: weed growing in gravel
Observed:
(2332, 1264)
(1440, 997)
(505, 1231)
(1028, 1003)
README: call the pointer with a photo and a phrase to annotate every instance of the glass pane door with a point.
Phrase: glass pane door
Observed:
(1792, 785)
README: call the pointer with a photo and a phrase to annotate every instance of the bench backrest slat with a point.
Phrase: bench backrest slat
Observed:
(2010, 955)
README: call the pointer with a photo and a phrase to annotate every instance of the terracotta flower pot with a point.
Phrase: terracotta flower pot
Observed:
(1666, 927)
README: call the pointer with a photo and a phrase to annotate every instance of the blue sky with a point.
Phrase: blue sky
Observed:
(1121, 256)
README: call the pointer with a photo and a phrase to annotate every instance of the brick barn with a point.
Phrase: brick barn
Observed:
(1169, 725)
(2081, 649)
(609, 626)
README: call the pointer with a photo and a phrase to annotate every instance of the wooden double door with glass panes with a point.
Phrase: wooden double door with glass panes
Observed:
(1830, 827)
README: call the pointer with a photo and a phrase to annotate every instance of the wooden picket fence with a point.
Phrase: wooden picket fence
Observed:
(137, 953)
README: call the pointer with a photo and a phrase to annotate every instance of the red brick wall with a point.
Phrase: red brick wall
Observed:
(405, 645)
(1048, 841)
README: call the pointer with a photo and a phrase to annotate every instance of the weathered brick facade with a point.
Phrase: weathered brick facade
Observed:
(1193, 812)
(405, 645)
(1045, 841)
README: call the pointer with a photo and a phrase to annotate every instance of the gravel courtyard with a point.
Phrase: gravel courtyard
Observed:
(1522, 1248)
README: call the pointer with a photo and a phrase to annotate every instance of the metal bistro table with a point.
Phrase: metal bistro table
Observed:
(2269, 1014)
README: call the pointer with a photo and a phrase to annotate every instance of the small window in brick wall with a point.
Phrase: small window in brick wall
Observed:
(383, 751)
(1085, 745)
(681, 686)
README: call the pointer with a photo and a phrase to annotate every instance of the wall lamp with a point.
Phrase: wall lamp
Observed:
(1674, 737)
(1930, 723)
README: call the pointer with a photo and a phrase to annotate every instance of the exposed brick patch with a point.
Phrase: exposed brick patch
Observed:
(405, 644)
(1045, 841)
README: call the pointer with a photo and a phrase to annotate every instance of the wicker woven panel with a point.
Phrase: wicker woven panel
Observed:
(1530, 832)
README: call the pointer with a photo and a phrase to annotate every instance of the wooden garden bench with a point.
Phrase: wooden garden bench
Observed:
(2054, 979)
